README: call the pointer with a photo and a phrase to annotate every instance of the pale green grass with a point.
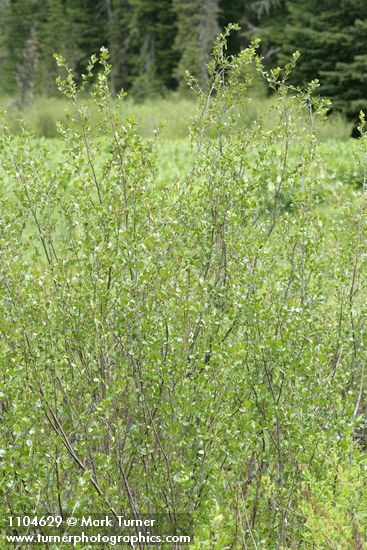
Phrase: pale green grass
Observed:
(173, 113)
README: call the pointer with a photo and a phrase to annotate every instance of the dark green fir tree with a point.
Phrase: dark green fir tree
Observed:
(119, 16)
(87, 22)
(152, 58)
(197, 26)
(20, 21)
(55, 36)
(332, 38)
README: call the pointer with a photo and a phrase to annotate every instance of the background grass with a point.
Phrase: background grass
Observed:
(173, 113)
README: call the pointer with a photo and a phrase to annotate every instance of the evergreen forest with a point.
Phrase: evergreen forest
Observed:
(153, 43)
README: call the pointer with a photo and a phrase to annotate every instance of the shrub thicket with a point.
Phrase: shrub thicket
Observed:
(192, 347)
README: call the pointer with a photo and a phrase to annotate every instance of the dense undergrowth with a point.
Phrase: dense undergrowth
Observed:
(187, 344)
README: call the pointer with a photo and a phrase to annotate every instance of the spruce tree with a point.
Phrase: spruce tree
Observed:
(20, 20)
(27, 70)
(3, 7)
(87, 26)
(54, 37)
(347, 82)
(152, 59)
(197, 26)
(332, 38)
(119, 14)
(257, 18)
(234, 11)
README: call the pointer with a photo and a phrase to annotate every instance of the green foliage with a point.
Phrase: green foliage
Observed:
(195, 46)
(171, 113)
(118, 38)
(152, 28)
(54, 35)
(193, 344)
(86, 21)
(18, 20)
(154, 42)
(331, 37)
(335, 508)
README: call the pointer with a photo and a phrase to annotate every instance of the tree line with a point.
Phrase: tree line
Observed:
(154, 42)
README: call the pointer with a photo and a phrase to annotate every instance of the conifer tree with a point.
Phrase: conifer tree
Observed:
(197, 25)
(26, 70)
(119, 14)
(152, 31)
(331, 36)
(54, 37)
(20, 19)
(3, 7)
(87, 22)
(153, 42)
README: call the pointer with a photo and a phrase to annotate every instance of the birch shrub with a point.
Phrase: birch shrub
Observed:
(193, 348)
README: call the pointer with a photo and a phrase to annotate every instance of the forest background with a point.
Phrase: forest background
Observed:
(153, 43)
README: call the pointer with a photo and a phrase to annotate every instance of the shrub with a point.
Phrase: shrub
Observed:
(195, 347)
